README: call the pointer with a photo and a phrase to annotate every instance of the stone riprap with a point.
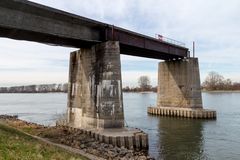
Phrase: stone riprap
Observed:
(131, 138)
(85, 140)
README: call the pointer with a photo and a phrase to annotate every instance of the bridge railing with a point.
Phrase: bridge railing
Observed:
(169, 40)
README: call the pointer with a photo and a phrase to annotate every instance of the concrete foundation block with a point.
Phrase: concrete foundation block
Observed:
(130, 138)
(118, 141)
(179, 90)
(106, 139)
(144, 140)
(100, 138)
(185, 112)
(114, 141)
(122, 142)
(137, 141)
(130, 142)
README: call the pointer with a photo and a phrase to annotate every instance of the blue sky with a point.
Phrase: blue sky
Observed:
(213, 25)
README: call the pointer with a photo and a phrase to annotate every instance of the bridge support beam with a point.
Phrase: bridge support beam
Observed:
(95, 87)
(179, 90)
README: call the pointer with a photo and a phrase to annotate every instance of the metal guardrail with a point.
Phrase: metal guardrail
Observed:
(169, 40)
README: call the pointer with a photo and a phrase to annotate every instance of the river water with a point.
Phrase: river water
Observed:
(169, 138)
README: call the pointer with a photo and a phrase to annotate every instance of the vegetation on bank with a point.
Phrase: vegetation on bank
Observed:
(28, 148)
(17, 145)
(216, 82)
(144, 85)
(213, 82)
(138, 89)
(42, 88)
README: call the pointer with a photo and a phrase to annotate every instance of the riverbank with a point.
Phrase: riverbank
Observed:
(17, 145)
(206, 91)
(79, 141)
(222, 91)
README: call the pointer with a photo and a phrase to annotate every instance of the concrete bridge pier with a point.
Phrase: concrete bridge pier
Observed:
(95, 89)
(95, 104)
(179, 90)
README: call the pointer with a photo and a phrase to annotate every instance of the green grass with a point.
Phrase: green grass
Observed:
(15, 145)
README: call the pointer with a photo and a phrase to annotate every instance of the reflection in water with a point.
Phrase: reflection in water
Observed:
(180, 139)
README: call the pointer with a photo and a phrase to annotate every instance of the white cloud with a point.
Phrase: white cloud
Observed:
(28, 63)
(214, 25)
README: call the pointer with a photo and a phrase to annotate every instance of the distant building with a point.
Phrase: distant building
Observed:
(43, 88)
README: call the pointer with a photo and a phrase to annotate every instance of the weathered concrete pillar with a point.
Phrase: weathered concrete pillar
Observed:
(179, 84)
(95, 87)
(179, 90)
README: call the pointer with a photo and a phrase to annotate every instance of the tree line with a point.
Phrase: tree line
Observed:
(215, 81)
(144, 85)
(42, 88)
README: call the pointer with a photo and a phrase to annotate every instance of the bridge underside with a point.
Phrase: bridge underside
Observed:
(95, 88)
(24, 20)
(95, 82)
(95, 73)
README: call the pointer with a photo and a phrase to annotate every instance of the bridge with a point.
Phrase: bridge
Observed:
(24, 20)
(95, 82)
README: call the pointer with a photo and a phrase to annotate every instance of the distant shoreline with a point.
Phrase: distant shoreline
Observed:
(29, 92)
(139, 92)
(222, 91)
(41, 88)
(142, 92)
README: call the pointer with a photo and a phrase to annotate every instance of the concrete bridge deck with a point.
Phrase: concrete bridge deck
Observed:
(24, 20)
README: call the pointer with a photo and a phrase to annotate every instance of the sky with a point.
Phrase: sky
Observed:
(213, 25)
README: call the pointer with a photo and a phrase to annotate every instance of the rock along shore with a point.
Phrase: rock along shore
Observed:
(76, 140)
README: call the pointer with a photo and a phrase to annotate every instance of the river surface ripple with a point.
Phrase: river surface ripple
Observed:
(169, 138)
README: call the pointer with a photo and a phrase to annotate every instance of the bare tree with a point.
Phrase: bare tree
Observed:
(214, 81)
(144, 83)
(228, 85)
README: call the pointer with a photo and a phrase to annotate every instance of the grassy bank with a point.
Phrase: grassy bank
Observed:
(17, 145)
